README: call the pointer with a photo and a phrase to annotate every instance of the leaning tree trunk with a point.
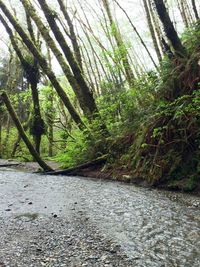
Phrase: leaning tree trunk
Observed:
(44, 65)
(59, 56)
(137, 33)
(0, 139)
(169, 29)
(151, 29)
(86, 93)
(13, 115)
(31, 71)
(195, 9)
(182, 10)
(73, 37)
(120, 44)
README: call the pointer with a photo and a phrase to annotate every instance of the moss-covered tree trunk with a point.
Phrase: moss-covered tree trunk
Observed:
(33, 76)
(169, 28)
(52, 45)
(151, 29)
(37, 126)
(86, 94)
(44, 65)
(13, 115)
(31, 70)
(120, 44)
(73, 37)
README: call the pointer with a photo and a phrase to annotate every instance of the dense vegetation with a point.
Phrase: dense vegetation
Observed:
(137, 106)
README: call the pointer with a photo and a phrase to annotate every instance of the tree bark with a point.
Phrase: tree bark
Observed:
(73, 37)
(0, 138)
(169, 29)
(52, 45)
(13, 115)
(86, 93)
(44, 65)
(195, 9)
(151, 29)
(33, 75)
(120, 44)
(75, 170)
(137, 33)
(181, 7)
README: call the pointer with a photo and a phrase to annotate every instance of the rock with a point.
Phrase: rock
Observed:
(7, 209)
(196, 204)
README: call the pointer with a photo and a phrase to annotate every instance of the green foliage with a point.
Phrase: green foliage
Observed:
(75, 150)
(170, 140)
(126, 109)
(191, 37)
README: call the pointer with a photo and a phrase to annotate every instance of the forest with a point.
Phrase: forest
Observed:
(110, 82)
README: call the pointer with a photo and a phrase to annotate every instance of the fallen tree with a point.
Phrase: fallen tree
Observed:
(9, 165)
(75, 170)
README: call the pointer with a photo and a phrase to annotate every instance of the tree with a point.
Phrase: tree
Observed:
(86, 94)
(72, 34)
(44, 65)
(169, 29)
(151, 29)
(31, 70)
(120, 44)
(195, 9)
(33, 152)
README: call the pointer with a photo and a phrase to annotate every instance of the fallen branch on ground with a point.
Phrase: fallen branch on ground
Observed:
(76, 169)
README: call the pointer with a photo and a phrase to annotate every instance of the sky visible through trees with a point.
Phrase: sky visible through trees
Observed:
(116, 79)
(93, 11)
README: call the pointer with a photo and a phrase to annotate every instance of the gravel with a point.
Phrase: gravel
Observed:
(70, 221)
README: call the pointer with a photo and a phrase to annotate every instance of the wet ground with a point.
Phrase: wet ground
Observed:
(70, 221)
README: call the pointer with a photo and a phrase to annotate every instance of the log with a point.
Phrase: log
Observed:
(9, 165)
(76, 169)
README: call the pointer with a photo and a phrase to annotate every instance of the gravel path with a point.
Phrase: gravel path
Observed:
(68, 221)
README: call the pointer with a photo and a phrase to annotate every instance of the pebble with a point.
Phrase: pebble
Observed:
(113, 225)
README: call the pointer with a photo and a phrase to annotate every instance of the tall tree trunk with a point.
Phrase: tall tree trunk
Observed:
(44, 65)
(50, 120)
(33, 75)
(13, 115)
(169, 29)
(37, 127)
(31, 71)
(181, 7)
(137, 33)
(52, 45)
(6, 139)
(195, 9)
(73, 37)
(157, 26)
(0, 138)
(79, 85)
(151, 29)
(86, 93)
(120, 44)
